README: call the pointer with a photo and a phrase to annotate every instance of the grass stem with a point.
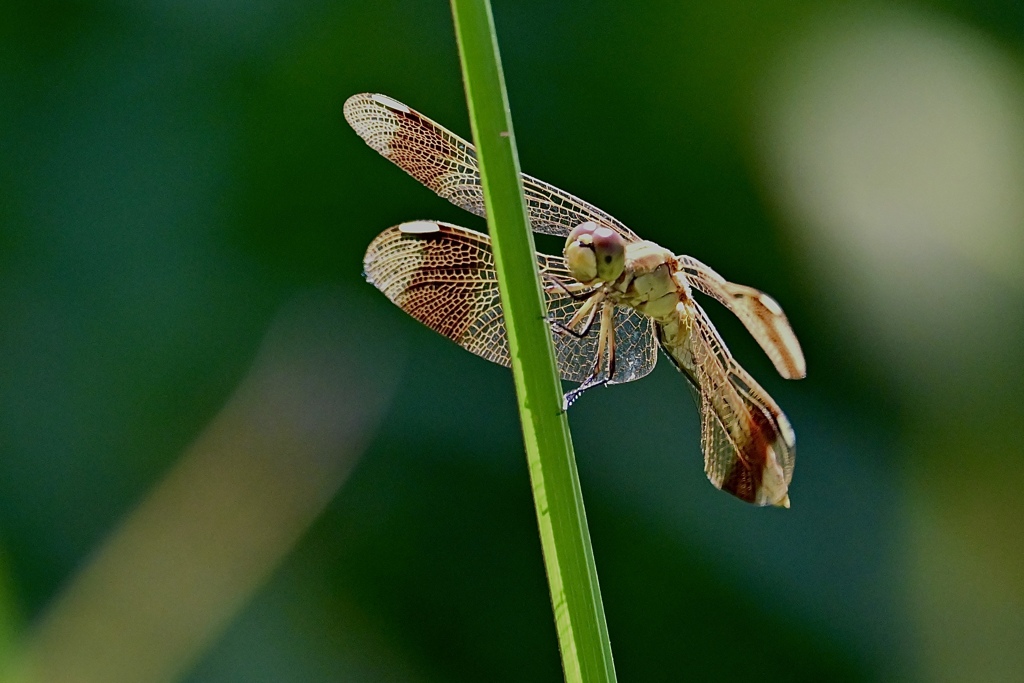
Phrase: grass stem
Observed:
(565, 539)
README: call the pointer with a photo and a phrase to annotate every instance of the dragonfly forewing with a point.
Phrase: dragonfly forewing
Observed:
(443, 275)
(446, 163)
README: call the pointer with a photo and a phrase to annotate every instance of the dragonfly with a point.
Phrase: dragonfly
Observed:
(613, 300)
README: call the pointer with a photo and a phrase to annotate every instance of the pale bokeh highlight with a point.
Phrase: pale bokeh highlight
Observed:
(894, 144)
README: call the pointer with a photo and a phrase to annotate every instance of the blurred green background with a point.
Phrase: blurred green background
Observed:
(224, 457)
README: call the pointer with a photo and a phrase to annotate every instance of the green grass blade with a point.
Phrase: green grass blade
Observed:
(568, 555)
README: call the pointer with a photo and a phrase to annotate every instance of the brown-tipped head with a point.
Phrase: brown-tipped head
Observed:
(594, 253)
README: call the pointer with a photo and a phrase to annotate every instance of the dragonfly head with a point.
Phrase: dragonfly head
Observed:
(594, 253)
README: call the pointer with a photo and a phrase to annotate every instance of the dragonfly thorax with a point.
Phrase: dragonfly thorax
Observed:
(594, 253)
(649, 283)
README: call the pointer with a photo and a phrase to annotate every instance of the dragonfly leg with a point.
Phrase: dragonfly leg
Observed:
(605, 348)
(608, 318)
(571, 396)
(567, 328)
(574, 290)
(588, 309)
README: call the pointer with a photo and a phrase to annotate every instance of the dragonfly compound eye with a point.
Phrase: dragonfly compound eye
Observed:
(610, 250)
(579, 252)
(593, 252)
